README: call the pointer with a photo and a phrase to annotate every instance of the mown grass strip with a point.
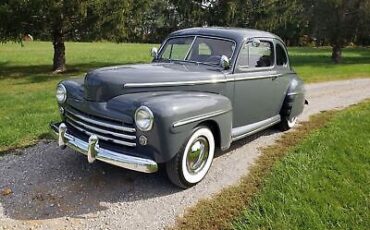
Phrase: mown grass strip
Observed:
(323, 183)
(221, 211)
(27, 86)
(313, 64)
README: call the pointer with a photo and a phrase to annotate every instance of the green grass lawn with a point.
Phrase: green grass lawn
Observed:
(27, 85)
(314, 64)
(315, 177)
(323, 183)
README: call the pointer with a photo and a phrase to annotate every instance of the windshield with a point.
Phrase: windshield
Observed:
(197, 49)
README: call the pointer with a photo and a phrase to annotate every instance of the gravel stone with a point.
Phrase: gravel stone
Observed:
(100, 196)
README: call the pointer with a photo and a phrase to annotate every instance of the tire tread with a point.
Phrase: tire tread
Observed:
(173, 168)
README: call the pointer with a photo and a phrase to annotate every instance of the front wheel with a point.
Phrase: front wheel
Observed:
(192, 162)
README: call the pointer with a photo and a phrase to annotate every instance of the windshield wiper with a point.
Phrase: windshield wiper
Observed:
(186, 61)
(197, 62)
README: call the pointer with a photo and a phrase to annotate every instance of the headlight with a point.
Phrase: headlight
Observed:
(144, 118)
(61, 93)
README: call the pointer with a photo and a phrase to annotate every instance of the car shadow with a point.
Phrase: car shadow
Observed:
(49, 183)
(43, 73)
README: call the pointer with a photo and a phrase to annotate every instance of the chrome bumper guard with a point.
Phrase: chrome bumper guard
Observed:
(94, 152)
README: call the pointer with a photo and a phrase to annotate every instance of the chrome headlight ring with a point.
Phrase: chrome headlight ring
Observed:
(61, 93)
(144, 118)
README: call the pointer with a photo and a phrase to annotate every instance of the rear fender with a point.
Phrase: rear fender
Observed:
(294, 100)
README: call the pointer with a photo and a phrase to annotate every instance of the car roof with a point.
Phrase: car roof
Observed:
(236, 34)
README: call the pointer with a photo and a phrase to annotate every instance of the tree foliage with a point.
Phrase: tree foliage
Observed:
(59, 19)
(339, 22)
(331, 22)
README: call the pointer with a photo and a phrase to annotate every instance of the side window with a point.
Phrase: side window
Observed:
(251, 57)
(262, 55)
(281, 56)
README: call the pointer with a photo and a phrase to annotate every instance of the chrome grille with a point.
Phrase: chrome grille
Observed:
(104, 129)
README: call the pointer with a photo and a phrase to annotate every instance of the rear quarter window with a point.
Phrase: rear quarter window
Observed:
(281, 56)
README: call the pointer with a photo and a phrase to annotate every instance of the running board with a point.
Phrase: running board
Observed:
(241, 132)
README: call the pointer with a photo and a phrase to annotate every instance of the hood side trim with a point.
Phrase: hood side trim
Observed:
(200, 82)
(173, 83)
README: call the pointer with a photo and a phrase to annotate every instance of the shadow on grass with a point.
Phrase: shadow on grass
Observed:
(310, 57)
(42, 73)
(322, 57)
(323, 60)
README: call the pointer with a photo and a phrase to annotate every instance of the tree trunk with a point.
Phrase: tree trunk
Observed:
(336, 55)
(59, 60)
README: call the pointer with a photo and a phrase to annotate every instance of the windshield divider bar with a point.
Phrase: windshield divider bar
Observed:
(191, 46)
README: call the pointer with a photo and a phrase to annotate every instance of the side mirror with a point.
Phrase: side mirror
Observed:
(154, 52)
(224, 62)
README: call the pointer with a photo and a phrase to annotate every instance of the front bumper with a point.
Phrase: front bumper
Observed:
(93, 152)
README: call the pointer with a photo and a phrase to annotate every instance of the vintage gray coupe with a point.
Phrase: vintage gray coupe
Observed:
(205, 88)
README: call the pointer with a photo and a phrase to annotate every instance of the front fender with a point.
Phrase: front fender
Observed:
(74, 88)
(176, 114)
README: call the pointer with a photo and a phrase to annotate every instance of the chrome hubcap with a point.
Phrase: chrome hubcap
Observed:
(197, 155)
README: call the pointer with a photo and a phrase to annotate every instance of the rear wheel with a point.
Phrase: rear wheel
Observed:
(192, 162)
(287, 123)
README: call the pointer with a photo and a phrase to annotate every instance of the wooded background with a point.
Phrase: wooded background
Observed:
(298, 22)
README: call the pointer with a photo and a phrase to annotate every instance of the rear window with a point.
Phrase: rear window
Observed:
(281, 56)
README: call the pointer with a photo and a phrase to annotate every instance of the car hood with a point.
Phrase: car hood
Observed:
(105, 83)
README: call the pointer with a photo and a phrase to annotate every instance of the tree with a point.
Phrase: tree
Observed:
(234, 13)
(16, 20)
(334, 22)
(62, 18)
(363, 26)
(58, 17)
(287, 18)
(338, 22)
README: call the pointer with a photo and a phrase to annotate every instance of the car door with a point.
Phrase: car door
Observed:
(254, 77)
(282, 66)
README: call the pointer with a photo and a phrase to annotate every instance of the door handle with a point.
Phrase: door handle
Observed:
(274, 77)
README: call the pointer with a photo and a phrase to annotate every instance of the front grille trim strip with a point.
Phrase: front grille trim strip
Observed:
(103, 137)
(100, 123)
(120, 135)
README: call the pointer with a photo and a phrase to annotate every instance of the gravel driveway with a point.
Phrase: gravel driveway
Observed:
(55, 189)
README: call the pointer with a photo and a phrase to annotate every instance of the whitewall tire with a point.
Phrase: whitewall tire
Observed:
(287, 123)
(291, 122)
(192, 162)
